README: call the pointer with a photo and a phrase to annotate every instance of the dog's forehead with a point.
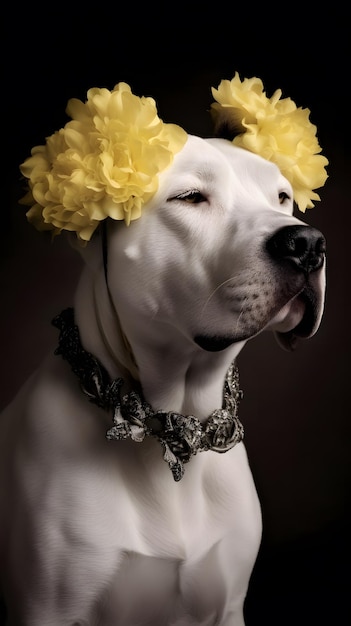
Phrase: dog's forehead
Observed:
(244, 159)
(199, 155)
(216, 166)
(211, 158)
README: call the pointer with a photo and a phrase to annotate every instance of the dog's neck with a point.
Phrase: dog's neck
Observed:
(181, 436)
(174, 373)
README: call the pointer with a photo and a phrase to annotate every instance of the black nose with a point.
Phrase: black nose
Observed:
(302, 246)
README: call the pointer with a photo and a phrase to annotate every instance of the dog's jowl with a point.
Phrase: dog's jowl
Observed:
(126, 497)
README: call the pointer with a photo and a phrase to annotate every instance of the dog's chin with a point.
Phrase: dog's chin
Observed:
(214, 343)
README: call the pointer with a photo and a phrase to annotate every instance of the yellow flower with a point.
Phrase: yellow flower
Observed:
(105, 162)
(275, 129)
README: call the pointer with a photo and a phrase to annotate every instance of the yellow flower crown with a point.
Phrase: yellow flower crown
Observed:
(275, 129)
(106, 161)
(103, 163)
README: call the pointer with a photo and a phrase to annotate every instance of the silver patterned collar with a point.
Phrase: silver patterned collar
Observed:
(181, 436)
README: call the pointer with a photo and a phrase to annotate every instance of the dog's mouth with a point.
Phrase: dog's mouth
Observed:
(299, 318)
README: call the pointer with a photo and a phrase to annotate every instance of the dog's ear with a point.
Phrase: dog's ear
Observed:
(90, 251)
(226, 126)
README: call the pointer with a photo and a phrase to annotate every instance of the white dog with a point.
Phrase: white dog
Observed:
(152, 525)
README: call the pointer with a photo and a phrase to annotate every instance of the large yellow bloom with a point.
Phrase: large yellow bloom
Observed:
(276, 130)
(103, 163)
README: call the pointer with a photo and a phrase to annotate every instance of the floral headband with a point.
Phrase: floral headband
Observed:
(106, 161)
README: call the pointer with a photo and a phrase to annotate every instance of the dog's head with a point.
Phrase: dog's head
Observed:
(218, 255)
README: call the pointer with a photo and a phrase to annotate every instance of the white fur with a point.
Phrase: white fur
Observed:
(95, 532)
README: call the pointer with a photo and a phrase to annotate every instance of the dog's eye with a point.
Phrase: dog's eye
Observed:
(283, 196)
(192, 197)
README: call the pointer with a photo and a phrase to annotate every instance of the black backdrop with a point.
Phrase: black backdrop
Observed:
(296, 405)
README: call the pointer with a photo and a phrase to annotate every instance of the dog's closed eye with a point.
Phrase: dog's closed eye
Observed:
(283, 197)
(192, 196)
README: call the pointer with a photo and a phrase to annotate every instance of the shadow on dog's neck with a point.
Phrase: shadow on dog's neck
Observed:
(174, 377)
(100, 328)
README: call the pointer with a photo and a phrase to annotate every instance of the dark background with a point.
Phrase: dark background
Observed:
(296, 405)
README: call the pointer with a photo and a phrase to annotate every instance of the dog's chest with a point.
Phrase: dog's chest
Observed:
(160, 590)
(176, 565)
(111, 523)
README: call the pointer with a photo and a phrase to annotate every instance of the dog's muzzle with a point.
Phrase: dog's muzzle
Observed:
(286, 293)
(300, 251)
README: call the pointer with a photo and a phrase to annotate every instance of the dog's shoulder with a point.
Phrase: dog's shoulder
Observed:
(49, 413)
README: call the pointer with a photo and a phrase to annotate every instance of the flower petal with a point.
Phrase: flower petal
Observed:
(275, 129)
(105, 162)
